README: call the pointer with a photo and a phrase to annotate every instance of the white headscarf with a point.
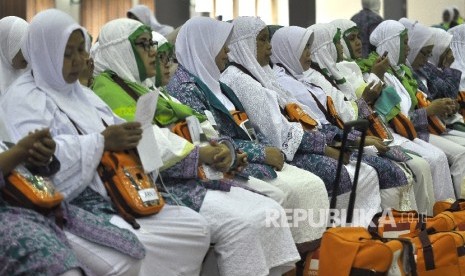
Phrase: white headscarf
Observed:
(243, 50)
(441, 41)
(373, 5)
(145, 15)
(12, 31)
(345, 25)
(44, 48)
(387, 37)
(114, 50)
(458, 48)
(198, 43)
(288, 44)
(419, 36)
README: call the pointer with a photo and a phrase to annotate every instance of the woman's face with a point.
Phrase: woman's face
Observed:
(447, 58)
(422, 58)
(222, 58)
(339, 51)
(355, 44)
(263, 47)
(403, 55)
(74, 57)
(18, 62)
(166, 61)
(305, 58)
(147, 53)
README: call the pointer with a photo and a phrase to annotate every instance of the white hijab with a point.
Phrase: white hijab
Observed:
(387, 37)
(145, 15)
(458, 48)
(288, 45)
(441, 41)
(44, 48)
(243, 50)
(114, 50)
(12, 31)
(345, 25)
(419, 36)
(198, 43)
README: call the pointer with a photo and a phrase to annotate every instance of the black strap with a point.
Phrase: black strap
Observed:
(365, 272)
(428, 254)
(125, 86)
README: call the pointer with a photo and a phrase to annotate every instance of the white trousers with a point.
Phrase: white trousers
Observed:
(247, 242)
(175, 240)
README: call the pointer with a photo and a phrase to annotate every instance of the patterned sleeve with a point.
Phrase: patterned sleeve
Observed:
(442, 83)
(419, 119)
(313, 142)
(187, 168)
(255, 152)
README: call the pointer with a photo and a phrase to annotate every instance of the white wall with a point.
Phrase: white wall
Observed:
(71, 9)
(429, 12)
(328, 10)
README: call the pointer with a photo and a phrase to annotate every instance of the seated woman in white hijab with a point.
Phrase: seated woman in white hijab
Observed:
(291, 56)
(252, 81)
(351, 43)
(31, 243)
(50, 96)
(432, 81)
(196, 83)
(12, 63)
(143, 14)
(391, 37)
(241, 241)
(458, 49)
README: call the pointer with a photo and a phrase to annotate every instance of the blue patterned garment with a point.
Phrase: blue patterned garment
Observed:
(440, 83)
(31, 244)
(184, 87)
(366, 21)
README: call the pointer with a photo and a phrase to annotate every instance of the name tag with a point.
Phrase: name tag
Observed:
(148, 194)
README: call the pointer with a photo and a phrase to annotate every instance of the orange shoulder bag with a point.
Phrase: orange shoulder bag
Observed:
(295, 114)
(435, 125)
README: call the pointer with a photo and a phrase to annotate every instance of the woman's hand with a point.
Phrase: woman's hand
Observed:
(216, 155)
(377, 142)
(371, 92)
(274, 157)
(441, 107)
(380, 67)
(334, 153)
(37, 147)
(122, 137)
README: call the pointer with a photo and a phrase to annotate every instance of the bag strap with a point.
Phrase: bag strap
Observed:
(361, 125)
(125, 86)
(427, 250)
(455, 207)
(244, 70)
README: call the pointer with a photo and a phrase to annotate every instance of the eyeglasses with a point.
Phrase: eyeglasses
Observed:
(165, 59)
(147, 45)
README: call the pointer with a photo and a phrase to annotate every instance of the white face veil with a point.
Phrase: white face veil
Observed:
(458, 47)
(346, 26)
(44, 48)
(419, 36)
(12, 31)
(198, 43)
(114, 50)
(388, 37)
(288, 44)
(441, 41)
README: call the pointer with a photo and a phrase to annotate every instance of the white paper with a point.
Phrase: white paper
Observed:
(147, 148)
(149, 194)
(146, 106)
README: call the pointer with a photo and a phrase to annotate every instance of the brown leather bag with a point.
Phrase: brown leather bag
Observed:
(239, 116)
(435, 125)
(403, 126)
(132, 191)
(333, 112)
(181, 129)
(461, 101)
(377, 127)
(295, 114)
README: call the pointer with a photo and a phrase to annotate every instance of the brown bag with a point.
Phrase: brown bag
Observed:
(132, 191)
(239, 117)
(435, 125)
(181, 129)
(440, 254)
(454, 206)
(354, 251)
(22, 188)
(377, 127)
(333, 112)
(403, 126)
(295, 114)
